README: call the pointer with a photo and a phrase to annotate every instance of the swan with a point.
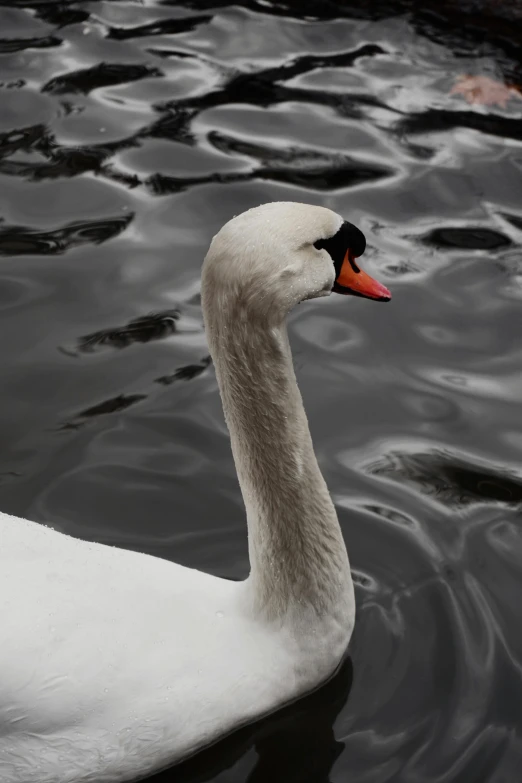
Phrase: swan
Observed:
(116, 664)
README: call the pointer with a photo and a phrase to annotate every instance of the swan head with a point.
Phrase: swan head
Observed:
(281, 253)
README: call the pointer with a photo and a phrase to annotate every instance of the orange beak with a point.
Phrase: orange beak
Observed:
(352, 280)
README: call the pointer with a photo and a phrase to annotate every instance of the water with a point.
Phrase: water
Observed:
(129, 133)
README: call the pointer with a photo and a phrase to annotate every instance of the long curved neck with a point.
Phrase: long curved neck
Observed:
(297, 553)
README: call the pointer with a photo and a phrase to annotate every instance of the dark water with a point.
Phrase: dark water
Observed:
(129, 133)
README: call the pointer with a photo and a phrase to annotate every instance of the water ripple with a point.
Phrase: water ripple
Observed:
(140, 330)
(130, 132)
(102, 75)
(21, 241)
(9, 45)
(161, 27)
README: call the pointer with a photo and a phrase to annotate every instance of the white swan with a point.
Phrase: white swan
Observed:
(114, 664)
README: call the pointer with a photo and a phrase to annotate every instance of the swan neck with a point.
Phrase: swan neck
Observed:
(297, 553)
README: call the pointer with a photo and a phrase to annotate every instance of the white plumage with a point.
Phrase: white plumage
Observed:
(114, 664)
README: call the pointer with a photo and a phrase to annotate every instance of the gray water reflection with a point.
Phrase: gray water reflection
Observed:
(129, 133)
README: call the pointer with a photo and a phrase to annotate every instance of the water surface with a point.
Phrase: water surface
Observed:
(129, 133)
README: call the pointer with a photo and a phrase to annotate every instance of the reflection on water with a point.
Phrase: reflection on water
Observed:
(141, 330)
(453, 481)
(129, 133)
(19, 241)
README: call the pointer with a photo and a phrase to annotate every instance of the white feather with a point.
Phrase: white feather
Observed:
(114, 664)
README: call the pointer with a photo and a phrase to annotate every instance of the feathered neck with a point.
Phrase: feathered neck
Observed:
(297, 554)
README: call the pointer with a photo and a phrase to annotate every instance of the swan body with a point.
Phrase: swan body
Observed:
(115, 664)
